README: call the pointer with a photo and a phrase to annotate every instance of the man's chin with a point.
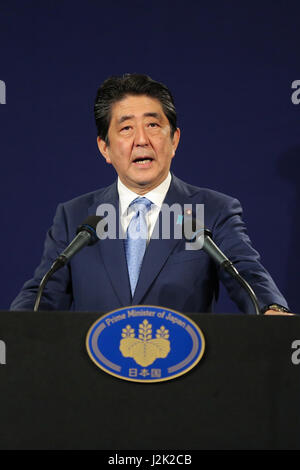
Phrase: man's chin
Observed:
(142, 184)
(143, 179)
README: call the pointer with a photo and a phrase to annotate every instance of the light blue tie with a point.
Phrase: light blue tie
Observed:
(136, 241)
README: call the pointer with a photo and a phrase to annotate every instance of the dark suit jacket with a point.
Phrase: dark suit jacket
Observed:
(96, 279)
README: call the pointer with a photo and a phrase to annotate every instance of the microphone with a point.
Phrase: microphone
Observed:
(86, 235)
(219, 257)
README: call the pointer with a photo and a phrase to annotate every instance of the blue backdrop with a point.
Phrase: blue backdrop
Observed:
(230, 65)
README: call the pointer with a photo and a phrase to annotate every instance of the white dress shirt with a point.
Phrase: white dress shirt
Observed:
(156, 196)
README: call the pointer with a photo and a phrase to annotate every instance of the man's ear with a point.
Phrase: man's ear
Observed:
(103, 149)
(175, 140)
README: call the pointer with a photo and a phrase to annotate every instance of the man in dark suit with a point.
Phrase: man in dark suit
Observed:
(138, 135)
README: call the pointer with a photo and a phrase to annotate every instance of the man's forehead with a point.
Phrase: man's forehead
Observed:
(132, 107)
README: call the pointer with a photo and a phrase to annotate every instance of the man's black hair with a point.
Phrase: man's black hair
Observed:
(116, 88)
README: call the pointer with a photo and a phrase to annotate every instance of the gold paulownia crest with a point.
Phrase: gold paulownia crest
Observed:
(145, 349)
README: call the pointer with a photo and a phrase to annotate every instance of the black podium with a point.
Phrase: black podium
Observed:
(243, 394)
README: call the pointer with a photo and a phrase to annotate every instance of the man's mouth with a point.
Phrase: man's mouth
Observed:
(143, 160)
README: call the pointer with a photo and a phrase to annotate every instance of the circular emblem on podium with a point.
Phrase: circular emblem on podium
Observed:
(145, 343)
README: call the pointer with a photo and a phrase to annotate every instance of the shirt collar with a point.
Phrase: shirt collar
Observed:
(156, 195)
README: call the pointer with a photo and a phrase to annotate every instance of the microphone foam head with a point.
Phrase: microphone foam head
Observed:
(90, 225)
(192, 228)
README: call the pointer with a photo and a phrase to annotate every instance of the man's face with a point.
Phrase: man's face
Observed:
(140, 144)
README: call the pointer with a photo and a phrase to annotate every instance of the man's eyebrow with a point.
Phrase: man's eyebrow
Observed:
(155, 115)
(126, 117)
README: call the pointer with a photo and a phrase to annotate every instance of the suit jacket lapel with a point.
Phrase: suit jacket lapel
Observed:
(112, 250)
(158, 251)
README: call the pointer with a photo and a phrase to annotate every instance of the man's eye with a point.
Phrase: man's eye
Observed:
(126, 128)
(153, 124)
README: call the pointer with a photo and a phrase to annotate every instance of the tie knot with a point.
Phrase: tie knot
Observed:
(141, 204)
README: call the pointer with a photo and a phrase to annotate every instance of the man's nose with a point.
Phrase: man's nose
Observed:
(141, 137)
